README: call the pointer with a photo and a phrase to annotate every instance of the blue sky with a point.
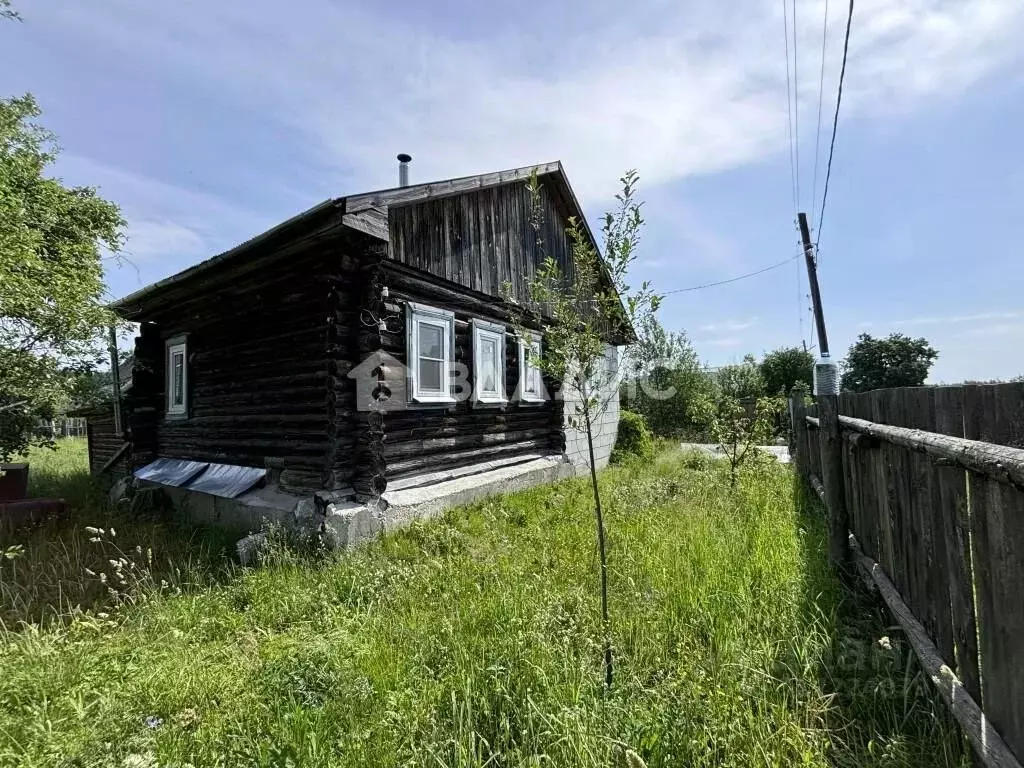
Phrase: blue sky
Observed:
(209, 122)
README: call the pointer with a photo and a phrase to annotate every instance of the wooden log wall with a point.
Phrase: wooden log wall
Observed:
(948, 532)
(481, 239)
(268, 356)
(104, 442)
(424, 439)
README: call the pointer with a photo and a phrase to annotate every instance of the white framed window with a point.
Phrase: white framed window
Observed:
(531, 385)
(488, 363)
(177, 376)
(430, 348)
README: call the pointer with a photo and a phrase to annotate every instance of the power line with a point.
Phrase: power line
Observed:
(789, 107)
(835, 123)
(732, 279)
(796, 106)
(821, 94)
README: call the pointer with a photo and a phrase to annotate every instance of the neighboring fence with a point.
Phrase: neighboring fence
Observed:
(66, 426)
(930, 482)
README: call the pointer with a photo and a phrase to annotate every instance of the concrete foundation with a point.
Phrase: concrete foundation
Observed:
(344, 523)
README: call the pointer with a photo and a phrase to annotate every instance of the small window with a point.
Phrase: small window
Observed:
(430, 336)
(177, 377)
(488, 363)
(531, 385)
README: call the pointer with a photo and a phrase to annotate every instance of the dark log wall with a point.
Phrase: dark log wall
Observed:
(422, 439)
(481, 239)
(104, 442)
(263, 374)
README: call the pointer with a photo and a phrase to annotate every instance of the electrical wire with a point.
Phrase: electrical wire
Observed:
(789, 108)
(796, 106)
(821, 94)
(835, 123)
(731, 279)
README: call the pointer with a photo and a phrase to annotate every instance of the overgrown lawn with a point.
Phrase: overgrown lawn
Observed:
(474, 640)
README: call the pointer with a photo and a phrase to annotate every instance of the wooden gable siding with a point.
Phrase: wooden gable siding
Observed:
(104, 442)
(481, 239)
(425, 439)
(263, 375)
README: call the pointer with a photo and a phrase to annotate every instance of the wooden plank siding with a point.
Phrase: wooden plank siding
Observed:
(264, 379)
(482, 239)
(104, 442)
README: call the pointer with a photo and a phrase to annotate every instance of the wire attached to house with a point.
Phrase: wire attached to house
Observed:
(835, 123)
(732, 279)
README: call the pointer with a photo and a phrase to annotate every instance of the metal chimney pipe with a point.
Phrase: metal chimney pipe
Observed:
(403, 169)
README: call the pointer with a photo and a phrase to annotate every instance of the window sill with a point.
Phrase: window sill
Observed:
(531, 401)
(436, 401)
(490, 402)
(176, 416)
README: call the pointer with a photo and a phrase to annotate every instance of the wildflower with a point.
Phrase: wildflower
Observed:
(138, 549)
(153, 722)
(103, 615)
(146, 760)
(94, 531)
(90, 572)
(113, 532)
(884, 644)
(103, 578)
(95, 539)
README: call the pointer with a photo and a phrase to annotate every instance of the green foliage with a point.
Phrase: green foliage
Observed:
(895, 361)
(783, 368)
(739, 428)
(51, 273)
(742, 380)
(7, 12)
(578, 316)
(634, 439)
(665, 380)
(470, 640)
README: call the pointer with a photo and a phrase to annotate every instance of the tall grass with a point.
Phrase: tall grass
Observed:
(54, 570)
(475, 640)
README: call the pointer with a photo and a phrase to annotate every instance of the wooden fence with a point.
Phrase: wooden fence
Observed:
(930, 483)
(63, 426)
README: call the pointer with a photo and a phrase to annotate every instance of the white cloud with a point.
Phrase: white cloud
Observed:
(673, 90)
(723, 341)
(978, 317)
(729, 325)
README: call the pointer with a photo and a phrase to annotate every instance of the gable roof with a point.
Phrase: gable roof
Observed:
(367, 213)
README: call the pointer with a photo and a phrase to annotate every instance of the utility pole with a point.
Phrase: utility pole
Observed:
(812, 277)
(829, 441)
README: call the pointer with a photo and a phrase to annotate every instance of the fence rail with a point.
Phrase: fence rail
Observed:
(67, 426)
(930, 482)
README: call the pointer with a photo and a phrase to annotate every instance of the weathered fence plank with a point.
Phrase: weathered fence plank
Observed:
(989, 746)
(888, 512)
(954, 524)
(937, 617)
(831, 448)
(996, 414)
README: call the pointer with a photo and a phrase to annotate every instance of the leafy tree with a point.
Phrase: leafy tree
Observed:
(577, 315)
(51, 274)
(665, 379)
(784, 367)
(739, 430)
(6, 12)
(895, 361)
(742, 380)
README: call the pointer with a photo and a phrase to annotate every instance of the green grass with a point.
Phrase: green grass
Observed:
(474, 640)
(46, 579)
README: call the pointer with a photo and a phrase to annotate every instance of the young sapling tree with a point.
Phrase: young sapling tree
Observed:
(579, 313)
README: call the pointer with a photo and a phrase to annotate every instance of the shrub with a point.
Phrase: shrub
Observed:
(634, 438)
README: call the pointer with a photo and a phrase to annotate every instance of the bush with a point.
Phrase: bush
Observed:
(634, 438)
